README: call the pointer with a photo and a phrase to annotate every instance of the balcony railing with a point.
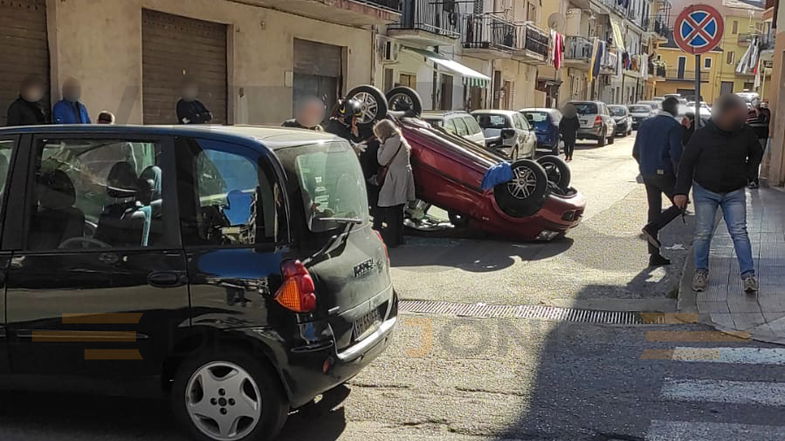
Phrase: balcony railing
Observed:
(577, 48)
(430, 16)
(657, 69)
(488, 31)
(610, 62)
(534, 39)
(684, 75)
(392, 5)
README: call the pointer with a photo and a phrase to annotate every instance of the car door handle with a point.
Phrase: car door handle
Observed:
(165, 279)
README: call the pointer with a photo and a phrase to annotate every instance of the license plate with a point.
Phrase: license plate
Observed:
(584, 122)
(367, 324)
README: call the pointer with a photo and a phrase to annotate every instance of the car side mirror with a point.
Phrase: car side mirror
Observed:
(508, 133)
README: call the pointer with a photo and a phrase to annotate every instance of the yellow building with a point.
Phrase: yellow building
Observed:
(680, 72)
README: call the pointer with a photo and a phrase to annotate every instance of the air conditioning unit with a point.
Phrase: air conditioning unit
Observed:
(391, 50)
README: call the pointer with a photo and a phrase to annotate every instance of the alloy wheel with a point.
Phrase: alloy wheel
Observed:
(400, 102)
(368, 106)
(223, 401)
(523, 184)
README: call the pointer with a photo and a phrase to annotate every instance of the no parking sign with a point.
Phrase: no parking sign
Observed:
(698, 29)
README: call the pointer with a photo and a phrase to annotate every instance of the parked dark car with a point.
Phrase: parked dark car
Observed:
(546, 125)
(622, 118)
(231, 269)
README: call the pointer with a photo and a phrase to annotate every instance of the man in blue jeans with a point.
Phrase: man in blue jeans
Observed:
(718, 162)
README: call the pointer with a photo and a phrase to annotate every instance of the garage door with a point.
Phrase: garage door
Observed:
(174, 48)
(24, 50)
(317, 71)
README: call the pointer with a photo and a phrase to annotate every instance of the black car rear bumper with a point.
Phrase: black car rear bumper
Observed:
(309, 363)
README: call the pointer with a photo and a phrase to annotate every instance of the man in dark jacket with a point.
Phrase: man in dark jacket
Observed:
(27, 110)
(717, 163)
(69, 110)
(189, 109)
(657, 149)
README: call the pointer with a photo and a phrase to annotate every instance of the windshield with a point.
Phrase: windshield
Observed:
(536, 117)
(640, 109)
(586, 108)
(331, 181)
(617, 111)
(492, 121)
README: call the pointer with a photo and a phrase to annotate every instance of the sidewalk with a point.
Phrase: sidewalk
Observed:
(724, 304)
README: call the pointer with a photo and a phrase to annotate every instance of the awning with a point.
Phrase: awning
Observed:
(470, 76)
(618, 38)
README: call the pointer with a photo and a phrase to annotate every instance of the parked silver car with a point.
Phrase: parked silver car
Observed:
(458, 123)
(596, 122)
(622, 118)
(639, 113)
(507, 131)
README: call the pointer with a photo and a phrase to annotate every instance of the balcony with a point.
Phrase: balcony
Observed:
(345, 12)
(610, 63)
(577, 52)
(764, 41)
(657, 70)
(427, 22)
(489, 37)
(684, 75)
(661, 29)
(533, 44)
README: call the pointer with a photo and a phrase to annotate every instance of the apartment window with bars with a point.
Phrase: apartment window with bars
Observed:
(731, 57)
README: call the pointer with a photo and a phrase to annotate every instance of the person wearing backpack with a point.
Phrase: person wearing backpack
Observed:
(395, 179)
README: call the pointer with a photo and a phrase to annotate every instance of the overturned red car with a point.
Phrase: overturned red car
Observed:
(537, 203)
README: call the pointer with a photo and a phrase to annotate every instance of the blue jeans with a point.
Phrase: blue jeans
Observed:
(734, 211)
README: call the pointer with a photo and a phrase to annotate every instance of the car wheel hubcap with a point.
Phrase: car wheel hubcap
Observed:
(368, 105)
(523, 184)
(401, 101)
(223, 401)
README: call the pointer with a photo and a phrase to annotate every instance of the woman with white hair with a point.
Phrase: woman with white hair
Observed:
(395, 178)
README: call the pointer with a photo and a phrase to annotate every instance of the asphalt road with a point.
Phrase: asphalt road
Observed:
(602, 264)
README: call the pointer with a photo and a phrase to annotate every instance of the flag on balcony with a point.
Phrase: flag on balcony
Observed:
(749, 61)
(557, 50)
(598, 51)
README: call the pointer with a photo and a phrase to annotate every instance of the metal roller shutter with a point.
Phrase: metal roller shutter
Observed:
(24, 49)
(317, 71)
(174, 47)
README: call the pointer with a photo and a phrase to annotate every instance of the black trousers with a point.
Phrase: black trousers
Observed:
(569, 147)
(656, 186)
(393, 232)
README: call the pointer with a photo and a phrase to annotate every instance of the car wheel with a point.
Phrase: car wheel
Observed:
(228, 397)
(404, 99)
(603, 138)
(372, 102)
(458, 220)
(525, 194)
(612, 138)
(557, 170)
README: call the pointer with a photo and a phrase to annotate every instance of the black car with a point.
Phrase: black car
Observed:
(231, 269)
(623, 119)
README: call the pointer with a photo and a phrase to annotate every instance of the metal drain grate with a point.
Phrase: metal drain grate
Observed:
(536, 312)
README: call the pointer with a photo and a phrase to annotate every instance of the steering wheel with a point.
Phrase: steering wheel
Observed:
(67, 244)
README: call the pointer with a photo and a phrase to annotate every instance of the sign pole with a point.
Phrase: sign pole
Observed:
(697, 91)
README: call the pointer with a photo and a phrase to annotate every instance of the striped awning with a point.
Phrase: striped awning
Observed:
(470, 76)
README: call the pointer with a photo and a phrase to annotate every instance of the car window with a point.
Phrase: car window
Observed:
(435, 121)
(536, 117)
(586, 108)
(6, 149)
(472, 125)
(460, 127)
(97, 193)
(449, 125)
(226, 199)
(618, 111)
(522, 121)
(640, 109)
(331, 183)
(493, 121)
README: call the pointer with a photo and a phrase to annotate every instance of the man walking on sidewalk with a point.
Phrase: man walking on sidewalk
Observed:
(658, 148)
(717, 163)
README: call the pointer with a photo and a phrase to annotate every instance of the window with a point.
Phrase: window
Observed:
(332, 184)
(707, 63)
(97, 193)
(225, 198)
(460, 126)
(586, 108)
(493, 121)
(472, 125)
(731, 57)
(531, 14)
(449, 125)
(735, 27)
(408, 80)
(6, 148)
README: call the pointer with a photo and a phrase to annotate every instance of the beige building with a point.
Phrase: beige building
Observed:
(251, 57)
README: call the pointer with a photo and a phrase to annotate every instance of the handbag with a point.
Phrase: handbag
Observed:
(381, 175)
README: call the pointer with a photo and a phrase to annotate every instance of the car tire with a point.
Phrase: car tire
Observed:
(612, 139)
(259, 406)
(602, 140)
(526, 193)
(373, 103)
(458, 220)
(404, 99)
(557, 170)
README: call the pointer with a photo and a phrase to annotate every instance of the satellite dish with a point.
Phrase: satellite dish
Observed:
(556, 22)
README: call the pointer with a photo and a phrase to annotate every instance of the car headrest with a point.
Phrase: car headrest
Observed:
(122, 181)
(56, 190)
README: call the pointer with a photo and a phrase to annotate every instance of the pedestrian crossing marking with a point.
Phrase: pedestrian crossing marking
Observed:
(708, 431)
(763, 356)
(696, 336)
(726, 392)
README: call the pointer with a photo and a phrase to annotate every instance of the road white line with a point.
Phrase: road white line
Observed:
(698, 431)
(773, 356)
(729, 392)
